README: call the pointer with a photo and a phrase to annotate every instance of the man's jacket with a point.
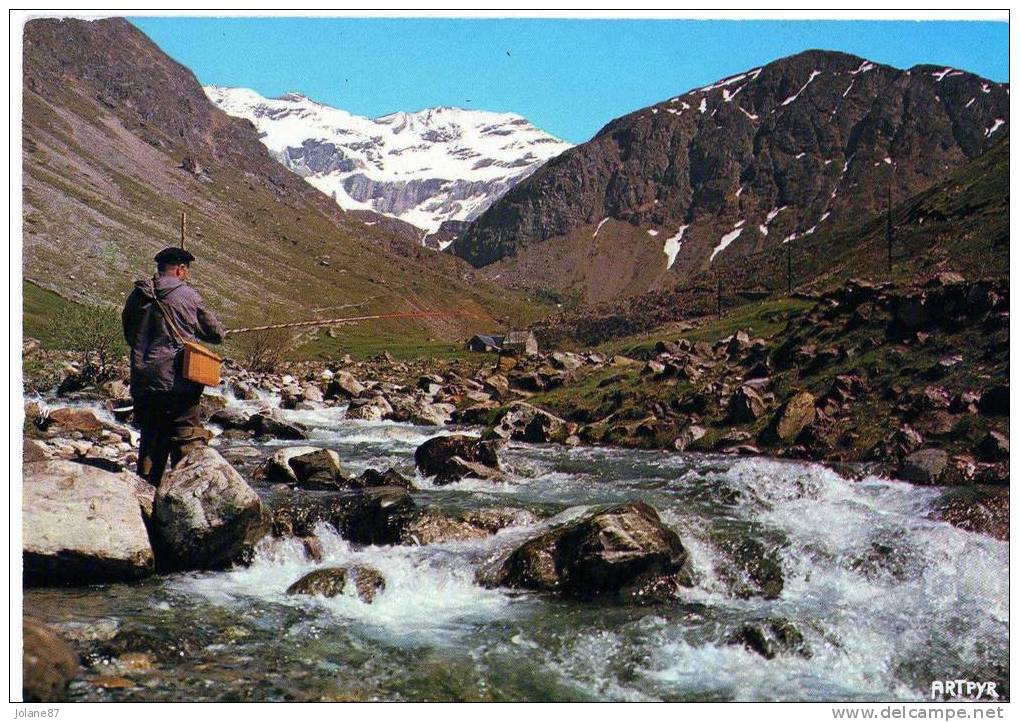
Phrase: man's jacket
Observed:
(156, 356)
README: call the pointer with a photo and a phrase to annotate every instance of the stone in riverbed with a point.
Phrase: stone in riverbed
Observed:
(344, 385)
(231, 417)
(369, 516)
(271, 422)
(331, 581)
(318, 470)
(606, 551)
(82, 525)
(205, 515)
(431, 527)
(926, 466)
(772, 637)
(524, 422)
(454, 457)
(374, 478)
(48, 663)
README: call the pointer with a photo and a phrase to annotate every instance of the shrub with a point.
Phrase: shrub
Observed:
(94, 337)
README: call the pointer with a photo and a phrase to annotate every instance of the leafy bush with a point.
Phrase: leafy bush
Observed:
(94, 336)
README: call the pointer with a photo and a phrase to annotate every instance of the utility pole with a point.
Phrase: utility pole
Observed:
(183, 226)
(888, 225)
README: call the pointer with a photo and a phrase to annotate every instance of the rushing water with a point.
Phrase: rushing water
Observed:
(887, 599)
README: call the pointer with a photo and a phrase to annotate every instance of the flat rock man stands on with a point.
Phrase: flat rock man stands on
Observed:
(166, 403)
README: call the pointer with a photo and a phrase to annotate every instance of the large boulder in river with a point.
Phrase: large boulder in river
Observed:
(82, 525)
(522, 421)
(318, 470)
(206, 516)
(332, 581)
(457, 456)
(344, 385)
(48, 663)
(271, 422)
(375, 515)
(231, 417)
(277, 467)
(620, 549)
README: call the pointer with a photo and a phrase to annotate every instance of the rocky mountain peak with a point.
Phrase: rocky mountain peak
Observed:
(763, 157)
(426, 167)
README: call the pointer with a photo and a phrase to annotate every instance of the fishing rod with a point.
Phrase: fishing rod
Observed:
(347, 319)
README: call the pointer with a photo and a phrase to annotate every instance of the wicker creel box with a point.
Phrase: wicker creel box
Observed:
(200, 364)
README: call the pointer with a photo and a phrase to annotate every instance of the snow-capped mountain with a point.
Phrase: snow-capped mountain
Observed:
(435, 165)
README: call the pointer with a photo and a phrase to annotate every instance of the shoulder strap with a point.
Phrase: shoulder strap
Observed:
(174, 331)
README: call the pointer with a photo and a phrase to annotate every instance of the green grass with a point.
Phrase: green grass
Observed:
(42, 308)
(765, 319)
(365, 342)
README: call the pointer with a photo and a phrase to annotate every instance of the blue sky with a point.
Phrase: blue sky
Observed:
(569, 77)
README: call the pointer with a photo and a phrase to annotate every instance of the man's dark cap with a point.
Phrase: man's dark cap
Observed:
(173, 256)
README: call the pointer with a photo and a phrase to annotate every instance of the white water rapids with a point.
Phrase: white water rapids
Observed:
(887, 599)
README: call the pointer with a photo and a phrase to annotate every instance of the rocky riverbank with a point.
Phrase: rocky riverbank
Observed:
(913, 384)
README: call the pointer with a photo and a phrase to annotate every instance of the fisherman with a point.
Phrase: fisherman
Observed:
(166, 403)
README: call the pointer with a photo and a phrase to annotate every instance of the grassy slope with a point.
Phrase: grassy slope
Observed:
(103, 193)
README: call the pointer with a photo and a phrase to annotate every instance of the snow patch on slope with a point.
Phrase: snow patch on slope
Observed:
(791, 98)
(672, 246)
(728, 238)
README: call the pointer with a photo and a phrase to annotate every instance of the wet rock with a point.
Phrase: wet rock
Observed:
(375, 515)
(794, 416)
(318, 469)
(373, 478)
(82, 525)
(454, 457)
(523, 422)
(231, 417)
(48, 663)
(376, 408)
(992, 473)
(271, 422)
(601, 552)
(331, 581)
(206, 516)
(433, 527)
(926, 466)
(344, 385)
(277, 468)
(751, 568)
(209, 405)
(772, 637)
(994, 446)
